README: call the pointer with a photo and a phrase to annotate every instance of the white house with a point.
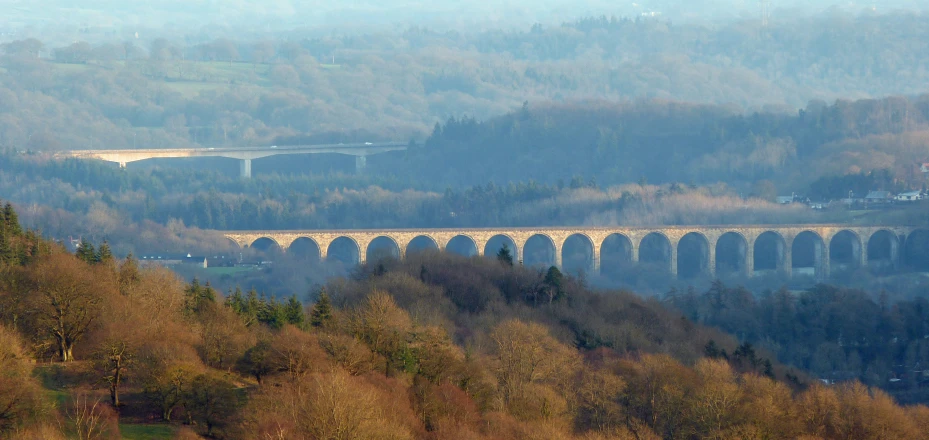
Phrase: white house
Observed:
(909, 196)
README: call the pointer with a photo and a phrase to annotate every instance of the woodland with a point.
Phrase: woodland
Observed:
(436, 346)
(598, 121)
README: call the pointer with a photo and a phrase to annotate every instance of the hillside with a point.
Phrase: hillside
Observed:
(212, 88)
(435, 347)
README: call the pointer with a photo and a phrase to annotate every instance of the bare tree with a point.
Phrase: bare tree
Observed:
(112, 360)
(90, 419)
(64, 299)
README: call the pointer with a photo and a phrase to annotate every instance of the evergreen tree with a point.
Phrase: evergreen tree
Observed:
(768, 369)
(504, 256)
(104, 255)
(6, 249)
(86, 252)
(293, 311)
(554, 284)
(710, 350)
(11, 220)
(37, 247)
(197, 298)
(236, 301)
(321, 313)
(252, 305)
(271, 313)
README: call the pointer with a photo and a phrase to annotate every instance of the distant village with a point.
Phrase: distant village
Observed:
(189, 260)
(871, 200)
(205, 262)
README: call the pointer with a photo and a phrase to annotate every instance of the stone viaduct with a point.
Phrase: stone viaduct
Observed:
(244, 154)
(815, 249)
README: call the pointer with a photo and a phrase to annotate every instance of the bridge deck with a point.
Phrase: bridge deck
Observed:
(225, 150)
(568, 228)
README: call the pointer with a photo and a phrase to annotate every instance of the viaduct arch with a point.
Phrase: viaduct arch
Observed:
(785, 249)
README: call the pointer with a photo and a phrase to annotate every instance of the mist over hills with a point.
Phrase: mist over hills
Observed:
(276, 16)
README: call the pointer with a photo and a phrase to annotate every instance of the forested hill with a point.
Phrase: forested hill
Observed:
(434, 347)
(199, 88)
(666, 142)
(637, 162)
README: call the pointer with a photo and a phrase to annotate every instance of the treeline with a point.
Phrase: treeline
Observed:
(823, 152)
(837, 334)
(666, 142)
(178, 92)
(433, 347)
(164, 210)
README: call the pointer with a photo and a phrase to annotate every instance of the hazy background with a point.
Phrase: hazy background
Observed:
(522, 114)
(64, 19)
(517, 114)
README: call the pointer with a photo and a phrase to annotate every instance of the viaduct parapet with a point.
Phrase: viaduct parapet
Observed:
(704, 249)
(244, 154)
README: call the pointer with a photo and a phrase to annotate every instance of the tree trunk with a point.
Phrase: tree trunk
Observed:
(64, 350)
(114, 387)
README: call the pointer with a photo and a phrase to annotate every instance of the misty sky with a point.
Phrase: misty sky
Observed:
(357, 15)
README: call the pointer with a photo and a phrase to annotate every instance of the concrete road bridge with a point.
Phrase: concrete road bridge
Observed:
(245, 154)
(682, 250)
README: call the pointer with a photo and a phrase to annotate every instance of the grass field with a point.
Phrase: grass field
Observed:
(145, 431)
(227, 270)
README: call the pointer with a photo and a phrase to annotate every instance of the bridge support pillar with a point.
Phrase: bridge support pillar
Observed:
(896, 259)
(361, 162)
(711, 260)
(122, 165)
(479, 246)
(787, 263)
(559, 257)
(822, 262)
(595, 260)
(245, 168)
(863, 257)
(674, 259)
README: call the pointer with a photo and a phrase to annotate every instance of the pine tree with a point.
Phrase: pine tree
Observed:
(321, 314)
(252, 305)
(11, 220)
(197, 298)
(86, 252)
(711, 350)
(104, 255)
(272, 313)
(504, 256)
(294, 312)
(37, 246)
(6, 249)
(236, 301)
(554, 284)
